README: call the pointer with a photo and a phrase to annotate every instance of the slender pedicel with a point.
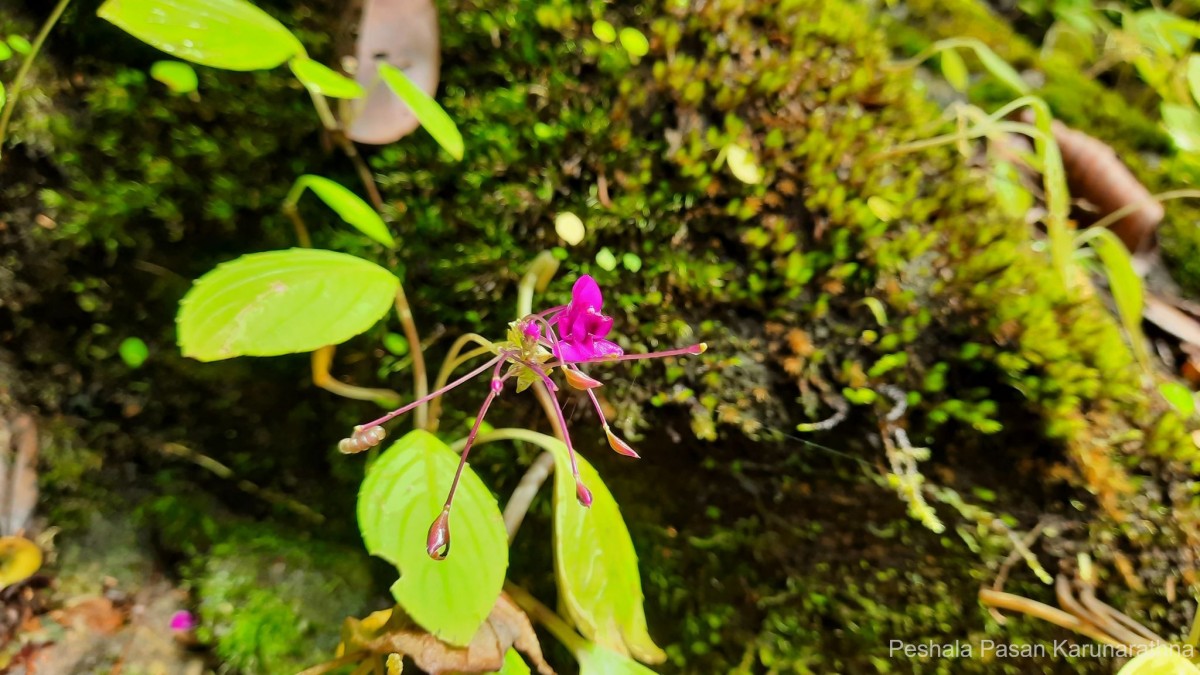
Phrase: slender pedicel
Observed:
(437, 543)
(581, 492)
(400, 411)
(692, 350)
(615, 442)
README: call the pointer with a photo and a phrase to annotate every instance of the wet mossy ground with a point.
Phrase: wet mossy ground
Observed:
(768, 553)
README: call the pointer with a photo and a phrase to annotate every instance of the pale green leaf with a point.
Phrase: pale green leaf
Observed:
(955, 70)
(1012, 195)
(594, 659)
(352, 209)
(606, 259)
(427, 111)
(742, 164)
(596, 566)
(882, 208)
(401, 496)
(19, 44)
(133, 352)
(999, 68)
(228, 34)
(1193, 76)
(513, 664)
(1123, 283)
(1183, 125)
(570, 227)
(281, 302)
(877, 310)
(5, 51)
(634, 42)
(179, 77)
(3, 95)
(604, 31)
(1162, 660)
(1179, 396)
(320, 79)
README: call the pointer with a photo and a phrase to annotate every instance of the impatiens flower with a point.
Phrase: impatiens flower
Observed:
(183, 621)
(533, 350)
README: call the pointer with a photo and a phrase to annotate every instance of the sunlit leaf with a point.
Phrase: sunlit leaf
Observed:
(999, 68)
(1179, 396)
(594, 659)
(1183, 125)
(596, 565)
(1193, 76)
(1006, 183)
(1163, 31)
(1162, 660)
(955, 70)
(400, 497)
(634, 42)
(427, 111)
(3, 95)
(320, 79)
(5, 51)
(570, 227)
(19, 560)
(742, 164)
(877, 310)
(606, 259)
(882, 208)
(133, 351)
(179, 77)
(514, 664)
(19, 44)
(1123, 283)
(604, 31)
(281, 302)
(228, 34)
(352, 209)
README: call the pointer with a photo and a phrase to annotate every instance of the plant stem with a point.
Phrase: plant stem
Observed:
(293, 214)
(545, 616)
(19, 81)
(420, 378)
(452, 361)
(1044, 612)
(522, 497)
(322, 360)
(537, 277)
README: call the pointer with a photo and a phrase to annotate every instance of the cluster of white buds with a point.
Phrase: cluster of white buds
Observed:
(362, 439)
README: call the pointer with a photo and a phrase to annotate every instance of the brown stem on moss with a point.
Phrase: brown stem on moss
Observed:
(1016, 603)
(18, 83)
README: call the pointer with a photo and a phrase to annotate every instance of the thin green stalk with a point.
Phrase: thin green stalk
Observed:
(19, 81)
(545, 616)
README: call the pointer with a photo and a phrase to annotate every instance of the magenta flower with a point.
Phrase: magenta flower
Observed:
(531, 353)
(183, 621)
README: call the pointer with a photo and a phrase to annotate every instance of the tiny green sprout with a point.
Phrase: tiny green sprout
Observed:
(133, 352)
(19, 44)
(179, 77)
(860, 395)
(5, 52)
(606, 260)
(604, 31)
(632, 262)
(570, 227)
(396, 344)
(634, 42)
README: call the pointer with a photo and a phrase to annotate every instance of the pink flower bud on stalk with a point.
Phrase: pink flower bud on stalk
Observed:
(579, 339)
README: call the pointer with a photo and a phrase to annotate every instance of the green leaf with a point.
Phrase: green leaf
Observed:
(882, 208)
(19, 44)
(1193, 76)
(3, 95)
(604, 31)
(352, 209)
(133, 352)
(955, 70)
(1123, 282)
(228, 34)
(594, 659)
(1183, 125)
(999, 68)
(742, 164)
(634, 42)
(5, 51)
(1179, 396)
(606, 259)
(179, 77)
(425, 109)
(596, 565)
(400, 497)
(320, 79)
(570, 227)
(1162, 660)
(513, 664)
(281, 302)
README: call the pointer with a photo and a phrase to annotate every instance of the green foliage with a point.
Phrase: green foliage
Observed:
(1179, 396)
(954, 69)
(179, 77)
(1161, 660)
(596, 565)
(1123, 282)
(228, 34)
(133, 351)
(352, 209)
(514, 664)
(595, 659)
(282, 302)
(427, 111)
(400, 497)
(320, 79)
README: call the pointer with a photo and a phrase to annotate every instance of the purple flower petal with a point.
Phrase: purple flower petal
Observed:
(183, 620)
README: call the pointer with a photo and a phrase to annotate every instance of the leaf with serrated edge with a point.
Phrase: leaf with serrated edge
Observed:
(282, 302)
(596, 564)
(401, 495)
(228, 34)
(352, 209)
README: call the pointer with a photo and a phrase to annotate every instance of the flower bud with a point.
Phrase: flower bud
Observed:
(437, 543)
(581, 380)
(583, 494)
(620, 446)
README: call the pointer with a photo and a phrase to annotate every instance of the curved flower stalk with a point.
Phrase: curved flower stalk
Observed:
(566, 337)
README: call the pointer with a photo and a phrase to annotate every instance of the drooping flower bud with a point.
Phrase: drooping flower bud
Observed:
(619, 445)
(437, 543)
(581, 380)
(583, 494)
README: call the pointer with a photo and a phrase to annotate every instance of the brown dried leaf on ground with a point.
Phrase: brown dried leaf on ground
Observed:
(506, 627)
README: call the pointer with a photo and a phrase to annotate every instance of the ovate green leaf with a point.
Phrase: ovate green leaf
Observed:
(596, 565)
(425, 109)
(594, 659)
(1183, 125)
(1123, 282)
(179, 77)
(400, 497)
(1179, 396)
(19, 44)
(320, 79)
(743, 164)
(229, 34)
(352, 209)
(281, 302)
(634, 42)
(1162, 660)
(133, 351)
(955, 70)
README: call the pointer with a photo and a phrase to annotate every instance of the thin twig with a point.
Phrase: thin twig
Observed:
(293, 214)
(222, 471)
(18, 83)
(322, 361)
(1044, 612)
(420, 378)
(522, 497)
